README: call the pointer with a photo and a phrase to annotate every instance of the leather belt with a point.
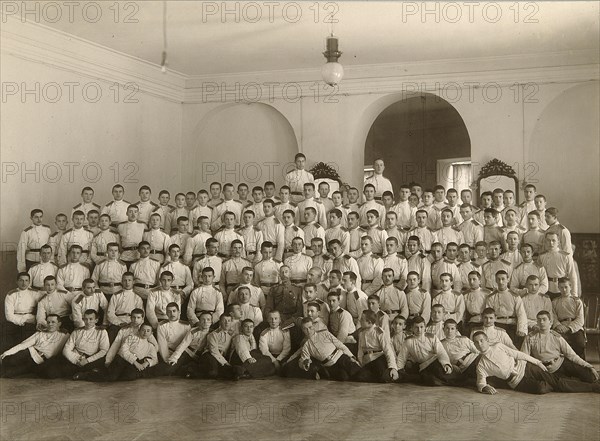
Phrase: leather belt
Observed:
(34, 250)
(328, 359)
(121, 314)
(130, 248)
(268, 284)
(553, 279)
(157, 252)
(550, 362)
(100, 254)
(505, 317)
(373, 352)
(178, 286)
(465, 356)
(222, 255)
(71, 288)
(297, 193)
(111, 284)
(145, 286)
(367, 281)
(298, 280)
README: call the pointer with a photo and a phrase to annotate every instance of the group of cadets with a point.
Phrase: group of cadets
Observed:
(424, 289)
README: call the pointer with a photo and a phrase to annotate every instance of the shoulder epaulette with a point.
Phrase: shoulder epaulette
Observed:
(110, 203)
(147, 230)
(318, 201)
(408, 337)
(400, 255)
(563, 252)
(183, 322)
(141, 222)
(13, 291)
(455, 228)
(317, 225)
(77, 206)
(265, 331)
(347, 256)
(54, 234)
(505, 261)
(124, 222)
(475, 222)
(64, 291)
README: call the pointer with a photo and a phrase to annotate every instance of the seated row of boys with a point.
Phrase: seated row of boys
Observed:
(547, 363)
(515, 313)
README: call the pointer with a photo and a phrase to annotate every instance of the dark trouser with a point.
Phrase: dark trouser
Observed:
(60, 367)
(209, 367)
(292, 369)
(13, 334)
(468, 328)
(432, 375)
(343, 369)
(29, 264)
(577, 341)
(18, 364)
(184, 305)
(511, 330)
(466, 378)
(67, 324)
(112, 331)
(162, 369)
(122, 370)
(375, 371)
(553, 295)
(537, 381)
(263, 367)
(570, 369)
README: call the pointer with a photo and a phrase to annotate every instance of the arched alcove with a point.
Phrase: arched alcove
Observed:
(250, 143)
(565, 148)
(417, 135)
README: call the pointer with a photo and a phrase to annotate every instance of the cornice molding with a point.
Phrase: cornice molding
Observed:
(41, 44)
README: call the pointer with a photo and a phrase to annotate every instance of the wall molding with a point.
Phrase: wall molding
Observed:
(41, 44)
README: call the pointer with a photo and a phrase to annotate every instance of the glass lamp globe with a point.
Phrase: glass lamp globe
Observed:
(332, 73)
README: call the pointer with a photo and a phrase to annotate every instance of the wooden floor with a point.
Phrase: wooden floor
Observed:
(284, 409)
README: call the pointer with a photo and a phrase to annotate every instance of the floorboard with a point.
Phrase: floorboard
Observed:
(284, 409)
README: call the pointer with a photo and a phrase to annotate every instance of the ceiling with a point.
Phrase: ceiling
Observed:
(253, 37)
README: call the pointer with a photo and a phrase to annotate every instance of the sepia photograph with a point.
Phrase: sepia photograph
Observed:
(299, 220)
